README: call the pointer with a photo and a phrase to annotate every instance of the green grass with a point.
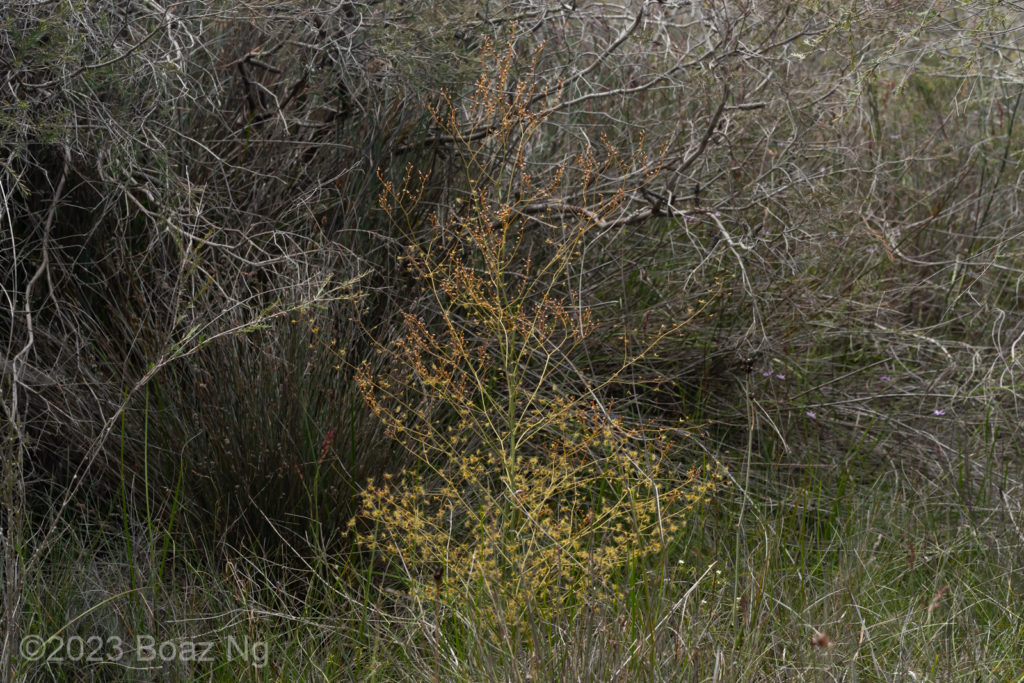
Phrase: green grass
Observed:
(908, 579)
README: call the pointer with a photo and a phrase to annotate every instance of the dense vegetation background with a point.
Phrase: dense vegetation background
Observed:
(513, 341)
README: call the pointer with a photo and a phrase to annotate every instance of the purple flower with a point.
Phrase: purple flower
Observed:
(894, 137)
(939, 412)
(766, 374)
(811, 414)
(780, 376)
(885, 378)
(717, 214)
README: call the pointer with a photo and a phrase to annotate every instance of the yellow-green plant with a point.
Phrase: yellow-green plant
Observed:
(530, 487)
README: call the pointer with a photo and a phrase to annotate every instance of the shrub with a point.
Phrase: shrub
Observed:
(528, 487)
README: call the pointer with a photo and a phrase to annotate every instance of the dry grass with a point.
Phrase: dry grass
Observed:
(543, 286)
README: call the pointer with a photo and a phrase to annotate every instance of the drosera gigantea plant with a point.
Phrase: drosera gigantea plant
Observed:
(529, 489)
